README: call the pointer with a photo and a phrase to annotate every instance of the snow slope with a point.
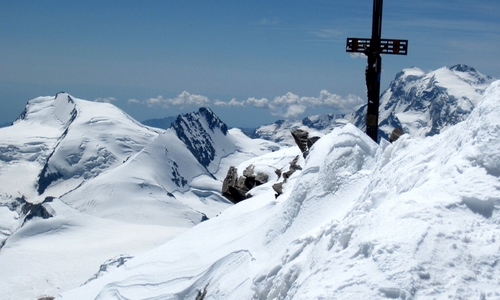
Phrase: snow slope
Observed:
(317, 125)
(417, 219)
(83, 185)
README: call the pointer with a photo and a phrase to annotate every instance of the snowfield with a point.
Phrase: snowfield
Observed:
(417, 219)
(107, 187)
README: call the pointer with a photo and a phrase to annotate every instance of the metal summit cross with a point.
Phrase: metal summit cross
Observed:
(372, 48)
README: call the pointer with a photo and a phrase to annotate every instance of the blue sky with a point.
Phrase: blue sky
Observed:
(252, 62)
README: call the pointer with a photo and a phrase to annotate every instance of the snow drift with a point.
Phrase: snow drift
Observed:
(416, 219)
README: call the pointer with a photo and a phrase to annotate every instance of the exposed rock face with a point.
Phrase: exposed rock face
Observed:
(425, 103)
(303, 141)
(40, 210)
(196, 131)
(112, 263)
(235, 188)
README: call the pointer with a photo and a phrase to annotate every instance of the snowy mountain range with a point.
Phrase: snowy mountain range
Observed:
(74, 172)
(421, 103)
(416, 219)
(91, 197)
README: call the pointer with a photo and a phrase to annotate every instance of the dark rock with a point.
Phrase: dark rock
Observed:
(190, 130)
(38, 210)
(278, 188)
(261, 178)
(235, 188)
(311, 141)
(248, 171)
(300, 136)
(230, 180)
(303, 141)
(396, 133)
(278, 172)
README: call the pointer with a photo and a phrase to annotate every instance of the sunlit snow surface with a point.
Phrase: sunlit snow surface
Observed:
(114, 193)
(417, 219)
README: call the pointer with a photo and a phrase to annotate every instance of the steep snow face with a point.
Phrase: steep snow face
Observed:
(416, 219)
(424, 104)
(316, 125)
(99, 138)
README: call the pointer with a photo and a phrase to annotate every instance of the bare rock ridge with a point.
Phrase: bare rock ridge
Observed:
(236, 189)
(303, 141)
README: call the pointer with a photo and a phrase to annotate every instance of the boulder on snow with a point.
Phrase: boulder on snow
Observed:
(303, 141)
(40, 210)
(235, 188)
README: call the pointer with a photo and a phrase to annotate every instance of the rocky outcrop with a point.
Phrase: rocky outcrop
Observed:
(303, 141)
(278, 187)
(236, 189)
(39, 210)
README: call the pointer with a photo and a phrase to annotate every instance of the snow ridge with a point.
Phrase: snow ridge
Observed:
(416, 219)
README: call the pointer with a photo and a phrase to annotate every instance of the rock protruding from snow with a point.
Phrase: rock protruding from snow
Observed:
(316, 126)
(236, 189)
(303, 141)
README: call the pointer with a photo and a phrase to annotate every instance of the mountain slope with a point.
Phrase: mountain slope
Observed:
(421, 103)
(318, 125)
(83, 184)
(416, 219)
(425, 103)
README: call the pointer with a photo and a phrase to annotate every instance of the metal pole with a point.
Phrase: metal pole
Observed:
(373, 71)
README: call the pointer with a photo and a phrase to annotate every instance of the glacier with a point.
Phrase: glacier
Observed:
(416, 219)
(104, 187)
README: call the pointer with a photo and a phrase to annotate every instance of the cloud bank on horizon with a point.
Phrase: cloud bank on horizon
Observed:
(289, 105)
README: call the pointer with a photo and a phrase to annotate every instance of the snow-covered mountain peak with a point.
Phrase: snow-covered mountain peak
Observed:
(425, 103)
(205, 136)
(85, 179)
(415, 219)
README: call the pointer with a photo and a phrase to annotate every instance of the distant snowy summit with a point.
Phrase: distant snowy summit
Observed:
(420, 103)
(77, 174)
(426, 103)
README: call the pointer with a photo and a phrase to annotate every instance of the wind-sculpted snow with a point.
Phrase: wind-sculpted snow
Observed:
(416, 219)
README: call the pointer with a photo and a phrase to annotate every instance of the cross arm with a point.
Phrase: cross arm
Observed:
(387, 46)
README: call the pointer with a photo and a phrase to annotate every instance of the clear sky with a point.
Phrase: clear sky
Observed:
(251, 61)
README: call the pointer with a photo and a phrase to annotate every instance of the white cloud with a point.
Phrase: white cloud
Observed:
(289, 105)
(260, 103)
(105, 99)
(182, 100)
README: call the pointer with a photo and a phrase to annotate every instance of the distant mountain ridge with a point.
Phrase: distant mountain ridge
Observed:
(421, 103)
(426, 103)
(89, 173)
